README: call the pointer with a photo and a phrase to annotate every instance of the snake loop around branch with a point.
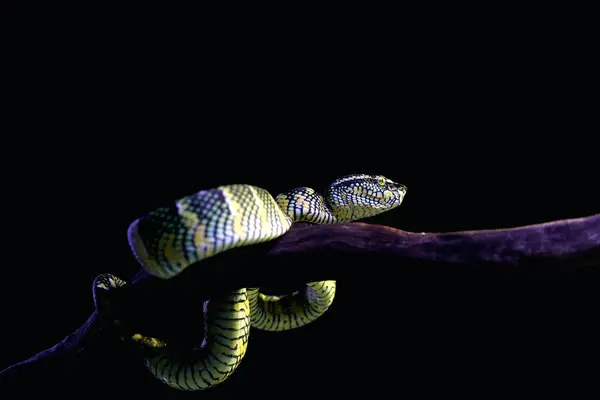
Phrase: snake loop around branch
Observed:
(170, 239)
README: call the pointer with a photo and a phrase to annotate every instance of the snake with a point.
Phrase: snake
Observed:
(174, 237)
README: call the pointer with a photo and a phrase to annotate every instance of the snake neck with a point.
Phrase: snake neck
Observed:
(304, 204)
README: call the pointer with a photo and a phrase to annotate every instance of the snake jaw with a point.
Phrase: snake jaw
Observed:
(394, 194)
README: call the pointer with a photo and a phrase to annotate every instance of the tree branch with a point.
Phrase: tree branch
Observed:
(317, 252)
(563, 244)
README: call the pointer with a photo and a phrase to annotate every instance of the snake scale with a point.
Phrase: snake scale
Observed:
(170, 239)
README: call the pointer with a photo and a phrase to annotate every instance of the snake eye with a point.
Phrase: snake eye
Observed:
(381, 180)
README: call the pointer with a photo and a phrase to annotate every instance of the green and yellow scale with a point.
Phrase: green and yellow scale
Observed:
(169, 239)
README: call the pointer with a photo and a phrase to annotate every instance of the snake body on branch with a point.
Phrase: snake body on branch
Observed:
(170, 239)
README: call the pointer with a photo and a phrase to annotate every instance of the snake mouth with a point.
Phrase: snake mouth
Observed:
(388, 198)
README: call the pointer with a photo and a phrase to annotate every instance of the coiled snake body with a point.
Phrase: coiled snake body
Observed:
(170, 239)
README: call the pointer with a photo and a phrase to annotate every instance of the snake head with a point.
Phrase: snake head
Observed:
(360, 196)
(391, 192)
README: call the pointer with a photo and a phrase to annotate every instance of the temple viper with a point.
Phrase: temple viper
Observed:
(195, 227)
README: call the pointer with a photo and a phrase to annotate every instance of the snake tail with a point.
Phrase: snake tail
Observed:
(102, 287)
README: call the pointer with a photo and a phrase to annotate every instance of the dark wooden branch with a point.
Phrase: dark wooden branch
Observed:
(317, 252)
(81, 359)
(563, 245)
(57, 360)
(563, 241)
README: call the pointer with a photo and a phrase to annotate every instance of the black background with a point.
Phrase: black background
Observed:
(115, 109)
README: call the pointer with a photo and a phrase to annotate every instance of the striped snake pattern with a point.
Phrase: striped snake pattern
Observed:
(170, 239)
